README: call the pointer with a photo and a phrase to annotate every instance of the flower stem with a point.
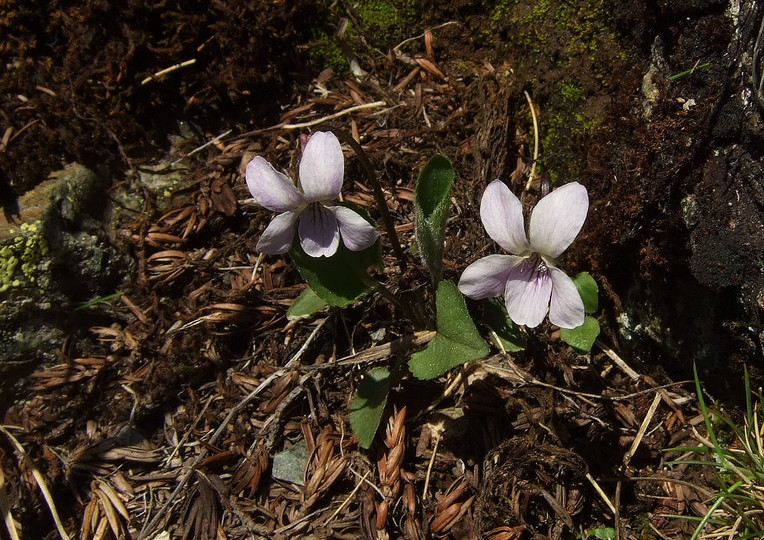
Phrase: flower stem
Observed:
(388, 295)
(379, 195)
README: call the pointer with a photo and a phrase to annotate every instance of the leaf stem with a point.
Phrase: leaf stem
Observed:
(379, 195)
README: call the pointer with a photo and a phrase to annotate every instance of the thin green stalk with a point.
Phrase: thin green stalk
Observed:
(379, 195)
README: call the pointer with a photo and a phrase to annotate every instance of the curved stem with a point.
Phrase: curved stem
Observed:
(379, 195)
(535, 142)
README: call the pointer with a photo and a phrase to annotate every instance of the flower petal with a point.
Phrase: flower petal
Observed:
(319, 235)
(502, 215)
(487, 277)
(527, 293)
(357, 233)
(272, 189)
(322, 167)
(557, 219)
(278, 236)
(566, 308)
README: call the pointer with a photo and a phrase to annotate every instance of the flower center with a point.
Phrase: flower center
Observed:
(534, 269)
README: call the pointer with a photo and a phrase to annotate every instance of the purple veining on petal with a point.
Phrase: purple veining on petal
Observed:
(318, 231)
(527, 293)
(487, 277)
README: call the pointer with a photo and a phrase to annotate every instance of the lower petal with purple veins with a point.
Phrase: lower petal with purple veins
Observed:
(318, 230)
(278, 236)
(527, 292)
(487, 277)
(357, 233)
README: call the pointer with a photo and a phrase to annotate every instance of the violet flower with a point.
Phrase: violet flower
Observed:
(308, 211)
(529, 278)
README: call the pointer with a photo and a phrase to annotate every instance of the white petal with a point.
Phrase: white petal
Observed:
(502, 215)
(527, 293)
(557, 219)
(278, 236)
(357, 233)
(319, 235)
(487, 277)
(322, 167)
(566, 308)
(271, 188)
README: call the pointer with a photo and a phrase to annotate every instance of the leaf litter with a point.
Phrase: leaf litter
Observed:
(168, 418)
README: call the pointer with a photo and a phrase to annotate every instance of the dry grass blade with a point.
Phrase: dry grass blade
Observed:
(40, 482)
(11, 525)
(111, 505)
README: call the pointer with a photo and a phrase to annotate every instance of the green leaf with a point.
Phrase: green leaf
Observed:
(505, 334)
(99, 300)
(305, 305)
(290, 464)
(602, 533)
(457, 340)
(588, 290)
(582, 337)
(342, 278)
(433, 195)
(368, 405)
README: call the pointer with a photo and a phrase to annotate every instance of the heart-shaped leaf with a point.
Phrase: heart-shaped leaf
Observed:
(582, 337)
(433, 195)
(305, 305)
(456, 342)
(368, 405)
(588, 290)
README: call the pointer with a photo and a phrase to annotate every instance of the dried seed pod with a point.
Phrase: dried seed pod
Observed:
(443, 520)
(382, 511)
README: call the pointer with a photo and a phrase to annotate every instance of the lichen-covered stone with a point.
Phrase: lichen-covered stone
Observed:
(57, 257)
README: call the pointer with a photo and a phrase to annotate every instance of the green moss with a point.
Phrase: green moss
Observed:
(501, 8)
(20, 258)
(326, 52)
(572, 93)
(381, 23)
(388, 22)
(563, 137)
(566, 53)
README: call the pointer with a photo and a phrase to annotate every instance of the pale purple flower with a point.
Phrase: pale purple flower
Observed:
(529, 278)
(308, 211)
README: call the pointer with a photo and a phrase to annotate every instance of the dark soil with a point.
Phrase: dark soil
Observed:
(162, 409)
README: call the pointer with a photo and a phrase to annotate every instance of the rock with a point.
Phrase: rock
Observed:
(56, 256)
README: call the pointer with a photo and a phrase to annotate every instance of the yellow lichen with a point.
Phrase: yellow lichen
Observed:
(19, 258)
